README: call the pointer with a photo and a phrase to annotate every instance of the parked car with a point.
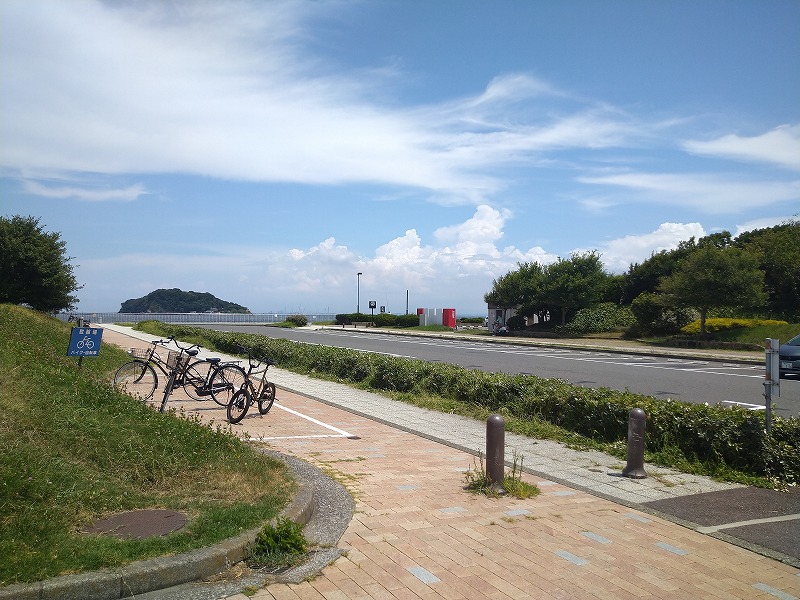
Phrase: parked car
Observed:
(790, 358)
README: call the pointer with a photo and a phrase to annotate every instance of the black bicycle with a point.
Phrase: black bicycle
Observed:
(200, 379)
(263, 393)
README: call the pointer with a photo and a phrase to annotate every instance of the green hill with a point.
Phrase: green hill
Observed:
(73, 450)
(178, 301)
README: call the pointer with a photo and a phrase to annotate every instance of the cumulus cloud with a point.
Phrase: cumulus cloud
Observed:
(617, 255)
(780, 146)
(451, 266)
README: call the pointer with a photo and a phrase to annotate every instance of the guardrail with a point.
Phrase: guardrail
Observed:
(192, 318)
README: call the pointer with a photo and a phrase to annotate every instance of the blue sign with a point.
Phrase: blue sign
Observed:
(85, 341)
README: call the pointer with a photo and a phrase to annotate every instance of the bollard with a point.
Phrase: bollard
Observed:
(495, 452)
(636, 426)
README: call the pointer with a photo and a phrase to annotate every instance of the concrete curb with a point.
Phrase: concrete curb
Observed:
(310, 506)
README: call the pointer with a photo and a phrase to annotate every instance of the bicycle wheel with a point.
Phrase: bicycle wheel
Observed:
(137, 378)
(237, 407)
(226, 381)
(267, 398)
(194, 380)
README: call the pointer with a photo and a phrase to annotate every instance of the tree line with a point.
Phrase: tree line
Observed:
(757, 273)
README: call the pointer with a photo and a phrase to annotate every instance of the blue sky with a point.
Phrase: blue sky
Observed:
(268, 151)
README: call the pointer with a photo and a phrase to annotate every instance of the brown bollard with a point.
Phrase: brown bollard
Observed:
(636, 426)
(495, 452)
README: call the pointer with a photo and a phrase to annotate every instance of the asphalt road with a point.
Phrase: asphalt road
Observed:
(690, 380)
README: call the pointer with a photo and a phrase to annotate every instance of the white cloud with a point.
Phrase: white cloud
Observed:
(780, 147)
(714, 194)
(617, 255)
(763, 223)
(226, 90)
(93, 194)
(435, 275)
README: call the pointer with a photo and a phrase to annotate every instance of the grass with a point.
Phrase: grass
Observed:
(757, 335)
(477, 481)
(73, 449)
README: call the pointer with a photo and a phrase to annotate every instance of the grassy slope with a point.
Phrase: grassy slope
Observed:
(72, 449)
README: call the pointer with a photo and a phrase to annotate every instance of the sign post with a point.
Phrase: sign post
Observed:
(85, 341)
(772, 376)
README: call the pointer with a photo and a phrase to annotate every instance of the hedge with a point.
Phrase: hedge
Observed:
(380, 320)
(714, 435)
(720, 324)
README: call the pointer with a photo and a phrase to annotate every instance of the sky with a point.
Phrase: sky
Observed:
(269, 151)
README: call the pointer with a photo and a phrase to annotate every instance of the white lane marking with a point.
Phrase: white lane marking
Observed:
(680, 364)
(714, 528)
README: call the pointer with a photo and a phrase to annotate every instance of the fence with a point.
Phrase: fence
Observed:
(191, 318)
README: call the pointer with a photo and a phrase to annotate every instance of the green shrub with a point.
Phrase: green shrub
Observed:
(719, 324)
(516, 323)
(652, 317)
(299, 320)
(380, 320)
(600, 318)
(407, 320)
(471, 320)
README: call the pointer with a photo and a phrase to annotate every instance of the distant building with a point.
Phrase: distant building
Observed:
(499, 315)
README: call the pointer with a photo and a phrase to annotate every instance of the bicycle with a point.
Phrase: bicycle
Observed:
(139, 378)
(263, 393)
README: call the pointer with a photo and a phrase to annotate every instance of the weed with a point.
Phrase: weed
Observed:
(477, 481)
(279, 545)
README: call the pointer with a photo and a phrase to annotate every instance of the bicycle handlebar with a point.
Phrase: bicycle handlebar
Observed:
(253, 357)
(184, 348)
(174, 341)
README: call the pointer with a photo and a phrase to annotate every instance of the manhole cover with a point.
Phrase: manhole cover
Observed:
(139, 524)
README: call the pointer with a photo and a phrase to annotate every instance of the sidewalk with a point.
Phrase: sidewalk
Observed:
(417, 534)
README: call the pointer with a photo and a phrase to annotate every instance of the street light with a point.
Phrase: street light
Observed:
(358, 298)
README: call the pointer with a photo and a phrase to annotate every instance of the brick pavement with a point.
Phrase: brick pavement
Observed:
(417, 534)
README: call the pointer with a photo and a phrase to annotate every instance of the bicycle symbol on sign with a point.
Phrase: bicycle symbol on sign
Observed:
(86, 342)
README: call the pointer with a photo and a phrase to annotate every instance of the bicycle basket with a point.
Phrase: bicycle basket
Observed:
(143, 353)
(173, 358)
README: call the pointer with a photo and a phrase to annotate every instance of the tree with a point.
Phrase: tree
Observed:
(574, 283)
(778, 249)
(520, 289)
(714, 277)
(645, 276)
(34, 267)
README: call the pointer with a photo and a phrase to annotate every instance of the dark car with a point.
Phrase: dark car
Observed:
(790, 358)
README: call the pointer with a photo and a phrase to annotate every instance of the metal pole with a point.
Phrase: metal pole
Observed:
(495, 452)
(636, 425)
(772, 377)
(358, 297)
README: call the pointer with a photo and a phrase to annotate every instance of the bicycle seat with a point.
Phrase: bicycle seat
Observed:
(192, 352)
(214, 360)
